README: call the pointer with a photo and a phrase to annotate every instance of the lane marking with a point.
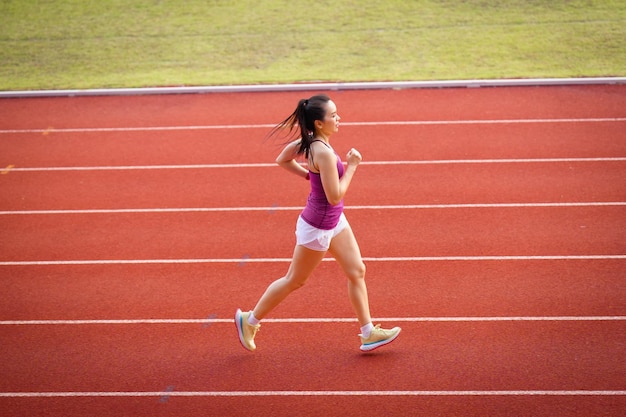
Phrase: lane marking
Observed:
(271, 125)
(167, 394)
(496, 161)
(279, 260)
(159, 394)
(7, 169)
(273, 165)
(275, 208)
(209, 321)
(146, 167)
(213, 320)
(487, 121)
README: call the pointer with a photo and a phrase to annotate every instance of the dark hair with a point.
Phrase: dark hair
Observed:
(304, 116)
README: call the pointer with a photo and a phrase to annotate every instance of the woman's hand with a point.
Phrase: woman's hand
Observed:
(353, 157)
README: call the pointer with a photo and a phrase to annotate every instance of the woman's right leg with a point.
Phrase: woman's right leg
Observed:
(303, 264)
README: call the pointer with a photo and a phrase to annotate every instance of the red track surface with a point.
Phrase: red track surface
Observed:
(493, 222)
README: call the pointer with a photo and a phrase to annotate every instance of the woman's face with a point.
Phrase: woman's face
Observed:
(330, 124)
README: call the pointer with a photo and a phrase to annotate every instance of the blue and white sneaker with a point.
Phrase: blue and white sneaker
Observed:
(246, 330)
(379, 337)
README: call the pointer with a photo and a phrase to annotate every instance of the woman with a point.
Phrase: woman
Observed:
(322, 227)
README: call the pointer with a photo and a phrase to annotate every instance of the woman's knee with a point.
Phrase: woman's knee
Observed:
(294, 281)
(356, 271)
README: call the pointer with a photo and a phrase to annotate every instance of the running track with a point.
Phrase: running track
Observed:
(492, 220)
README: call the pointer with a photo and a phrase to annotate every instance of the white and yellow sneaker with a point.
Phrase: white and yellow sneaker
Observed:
(246, 330)
(378, 337)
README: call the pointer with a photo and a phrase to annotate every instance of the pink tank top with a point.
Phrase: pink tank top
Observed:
(318, 212)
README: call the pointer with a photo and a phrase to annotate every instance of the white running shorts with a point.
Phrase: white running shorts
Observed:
(317, 239)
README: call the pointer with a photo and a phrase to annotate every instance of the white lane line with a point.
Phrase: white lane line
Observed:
(495, 161)
(172, 393)
(281, 260)
(141, 167)
(156, 210)
(14, 168)
(297, 208)
(271, 125)
(487, 121)
(211, 320)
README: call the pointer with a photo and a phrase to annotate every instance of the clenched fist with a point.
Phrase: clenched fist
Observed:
(353, 157)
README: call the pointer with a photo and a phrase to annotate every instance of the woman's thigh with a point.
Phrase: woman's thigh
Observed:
(303, 264)
(345, 249)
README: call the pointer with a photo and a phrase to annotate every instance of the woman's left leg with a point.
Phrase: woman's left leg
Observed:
(345, 249)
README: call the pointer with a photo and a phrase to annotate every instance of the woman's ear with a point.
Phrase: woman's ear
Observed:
(318, 124)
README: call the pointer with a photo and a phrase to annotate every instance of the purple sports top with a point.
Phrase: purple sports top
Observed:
(318, 212)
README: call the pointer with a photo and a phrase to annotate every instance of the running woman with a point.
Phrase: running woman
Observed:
(322, 226)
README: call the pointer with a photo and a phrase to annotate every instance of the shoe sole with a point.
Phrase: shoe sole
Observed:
(372, 346)
(239, 325)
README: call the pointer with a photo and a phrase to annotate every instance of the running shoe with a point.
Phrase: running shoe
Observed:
(378, 337)
(246, 330)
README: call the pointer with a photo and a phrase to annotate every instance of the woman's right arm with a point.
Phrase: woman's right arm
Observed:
(287, 159)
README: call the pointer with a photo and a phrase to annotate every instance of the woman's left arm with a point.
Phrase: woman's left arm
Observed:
(287, 160)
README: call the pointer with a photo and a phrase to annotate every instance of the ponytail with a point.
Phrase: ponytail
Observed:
(304, 116)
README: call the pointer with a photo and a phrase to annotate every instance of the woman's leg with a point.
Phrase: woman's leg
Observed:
(345, 250)
(303, 264)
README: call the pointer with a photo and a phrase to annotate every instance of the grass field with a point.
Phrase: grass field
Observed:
(58, 44)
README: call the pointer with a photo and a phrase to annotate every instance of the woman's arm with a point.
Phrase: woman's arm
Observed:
(287, 160)
(334, 187)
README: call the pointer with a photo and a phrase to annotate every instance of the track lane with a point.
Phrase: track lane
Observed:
(523, 182)
(540, 288)
(428, 104)
(248, 145)
(447, 232)
(435, 356)
(314, 406)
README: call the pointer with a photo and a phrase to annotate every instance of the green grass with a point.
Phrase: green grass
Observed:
(123, 43)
